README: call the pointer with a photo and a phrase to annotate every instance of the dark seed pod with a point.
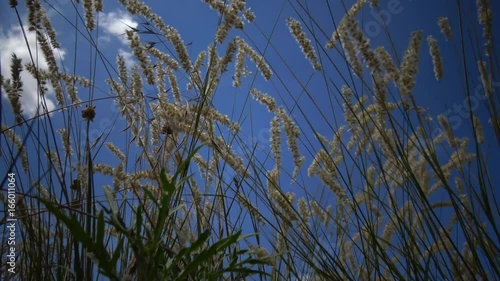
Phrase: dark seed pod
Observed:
(75, 185)
(88, 113)
(166, 129)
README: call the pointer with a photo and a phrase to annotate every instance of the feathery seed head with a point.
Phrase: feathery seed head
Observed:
(436, 57)
(88, 6)
(409, 65)
(304, 43)
(444, 25)
(264, 99)
(478, 129)
(249, 15)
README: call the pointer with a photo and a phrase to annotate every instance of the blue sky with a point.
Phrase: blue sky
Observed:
(199, 26)
(269, 34)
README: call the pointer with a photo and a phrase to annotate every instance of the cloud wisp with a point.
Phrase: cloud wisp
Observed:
(116, 23)
(13, 42)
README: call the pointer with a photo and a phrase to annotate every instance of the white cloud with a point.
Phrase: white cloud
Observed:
(116, 23)
(13, 42)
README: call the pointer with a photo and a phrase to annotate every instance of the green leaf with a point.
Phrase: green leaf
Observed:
(150, 196)
(183, 166)
(199, 242)
(207, 254)
(167, 186)
(192, 266)
(224, 243)
(96, 251)
(138, 220)
(117, 253)
(100, 228)
(72, 223)
(162, 217)
(111, 200)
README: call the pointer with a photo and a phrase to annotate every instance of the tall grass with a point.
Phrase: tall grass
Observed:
(361, 182)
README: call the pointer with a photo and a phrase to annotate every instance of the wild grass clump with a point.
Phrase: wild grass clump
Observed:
(362, 180)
